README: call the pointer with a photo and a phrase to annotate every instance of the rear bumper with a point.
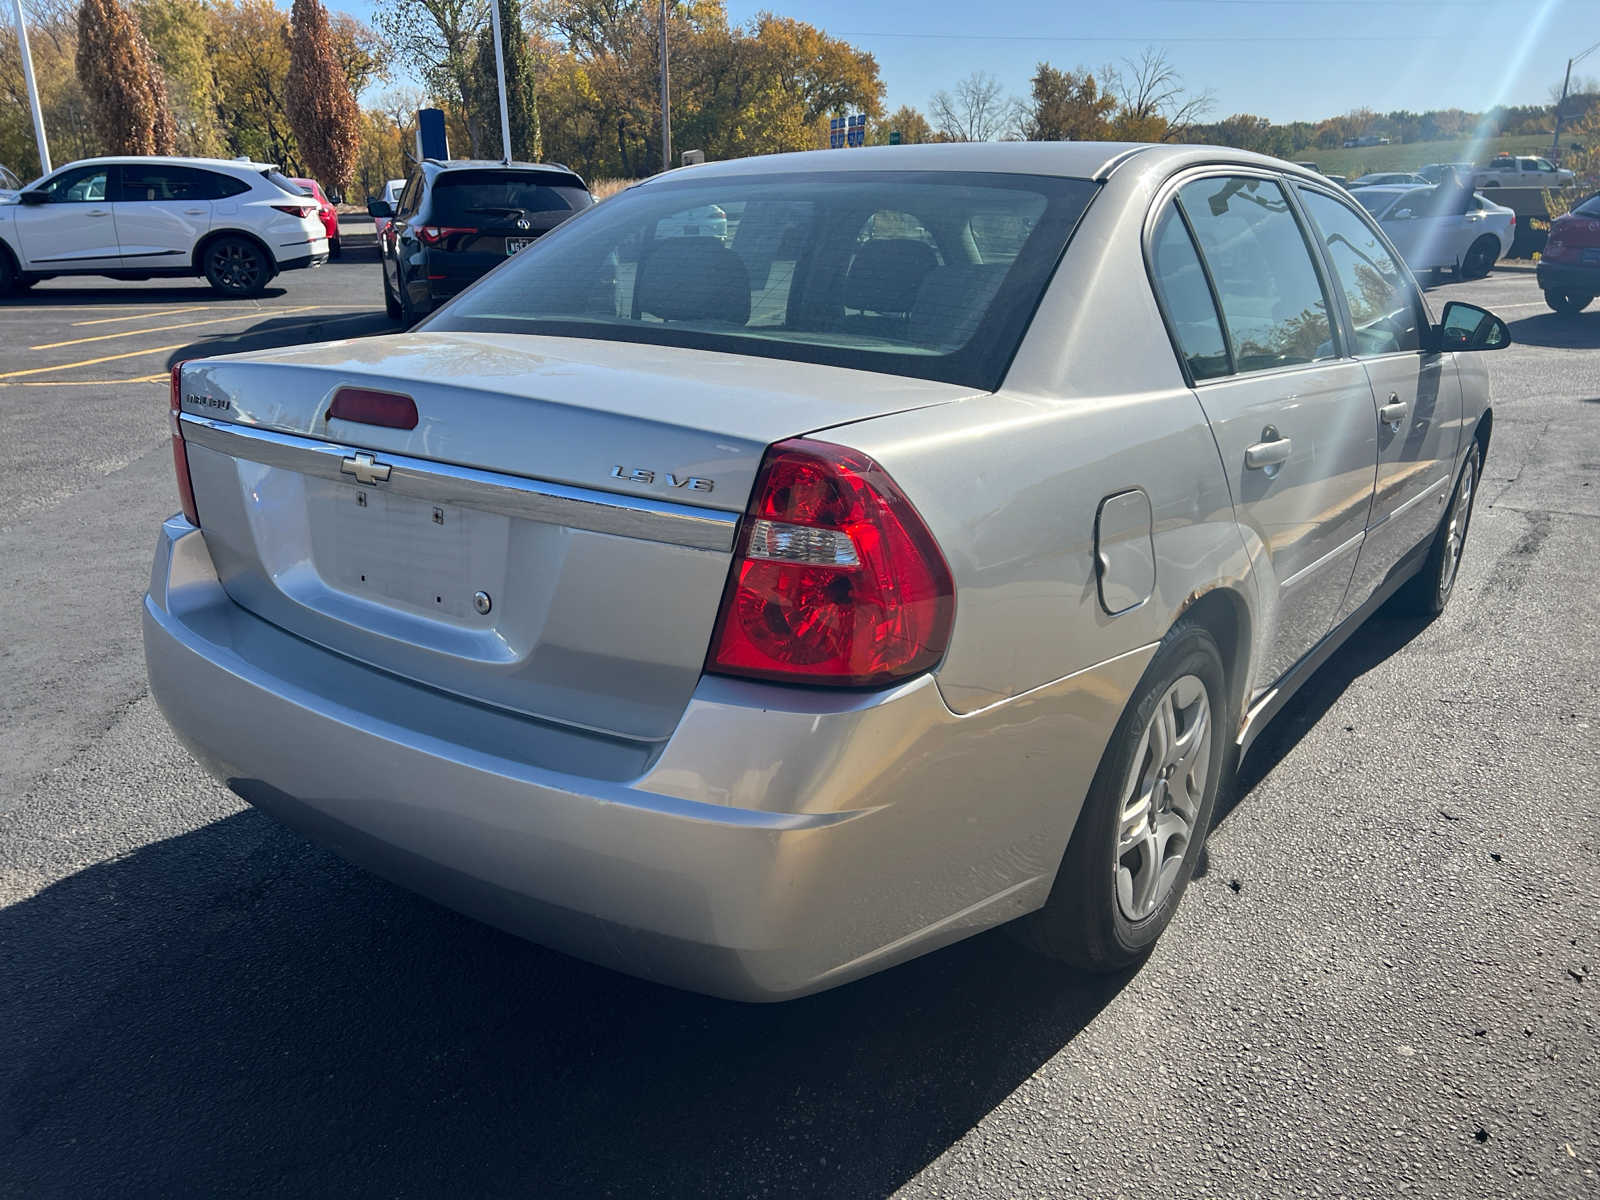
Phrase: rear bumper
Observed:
(293, 256)
(781, 842)
(1569, 276)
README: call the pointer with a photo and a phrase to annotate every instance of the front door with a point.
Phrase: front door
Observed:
(74, 228)
(1293, 419)
(1416, 391)
(162, 213)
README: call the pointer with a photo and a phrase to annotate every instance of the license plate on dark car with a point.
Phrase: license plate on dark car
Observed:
(1591, 258)
(515, 244)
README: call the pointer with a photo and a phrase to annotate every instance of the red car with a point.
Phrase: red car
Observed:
(325, 210)
(1569, 268)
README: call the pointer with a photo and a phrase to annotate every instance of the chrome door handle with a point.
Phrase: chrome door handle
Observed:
(1269, 451)
(97, 212)
(1395, 411)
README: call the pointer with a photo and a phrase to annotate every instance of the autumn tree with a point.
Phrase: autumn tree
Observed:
(910, 124)
(126, 92)
(321, 109)
(250, 53)
(522, 104)
(179, 33)
(438, 41)
(1153, 102)
(1067, 106)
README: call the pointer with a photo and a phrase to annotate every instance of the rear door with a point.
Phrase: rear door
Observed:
(1293, 420)
(162, 212)
(1416, 390)
(74, 228)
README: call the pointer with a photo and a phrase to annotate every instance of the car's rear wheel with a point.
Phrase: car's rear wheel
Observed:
(1480, 258)
(236, 267)
(1568, 304)
(1430, 589)
(335, 250)
(391, 304)
(11, 279)
(1147, 814)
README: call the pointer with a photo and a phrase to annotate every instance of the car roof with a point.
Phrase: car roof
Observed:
(175, 160)
(480, 164)
(1068, 160)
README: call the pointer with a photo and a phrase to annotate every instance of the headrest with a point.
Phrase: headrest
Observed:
(693, 279)
(885, 274)
(952, 301)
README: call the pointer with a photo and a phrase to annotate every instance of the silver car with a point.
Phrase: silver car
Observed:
(754, 616)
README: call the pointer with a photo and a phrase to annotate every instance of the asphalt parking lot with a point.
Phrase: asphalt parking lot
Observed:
(1384, 982)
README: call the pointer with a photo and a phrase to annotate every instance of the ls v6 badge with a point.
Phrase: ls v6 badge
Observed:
(642, 475)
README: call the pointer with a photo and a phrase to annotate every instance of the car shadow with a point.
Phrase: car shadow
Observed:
(234, 1011)
(1552, 330)
(113, 294)
(296, 330)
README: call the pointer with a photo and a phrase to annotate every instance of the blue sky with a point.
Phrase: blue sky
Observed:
(1282, 59)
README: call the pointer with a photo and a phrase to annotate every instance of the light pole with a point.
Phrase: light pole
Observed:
(666, 97)
(500, 78)
(1555, 138)
(33, 90)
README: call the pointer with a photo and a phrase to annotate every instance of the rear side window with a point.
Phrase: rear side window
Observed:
(475, 198)
(1589, 208)
(282, 182)
(1272, 301)
(1186, 297)
(1383, 305)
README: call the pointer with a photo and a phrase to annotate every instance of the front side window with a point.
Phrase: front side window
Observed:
(1272, 301)
(933, 275)
(1186, 298)
(86, 185)
(1383, 305)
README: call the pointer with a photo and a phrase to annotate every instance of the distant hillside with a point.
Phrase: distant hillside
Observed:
(1366, 159)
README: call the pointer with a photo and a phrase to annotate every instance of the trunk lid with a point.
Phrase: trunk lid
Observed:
(552, 537)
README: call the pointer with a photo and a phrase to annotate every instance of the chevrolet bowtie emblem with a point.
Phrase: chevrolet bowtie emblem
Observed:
(365, 469)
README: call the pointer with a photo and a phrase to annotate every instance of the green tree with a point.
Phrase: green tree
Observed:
(250, 54)
(127, 96)
(438, 40)
(1067, 107)
(179, 33)
(321, 109)
(522, 103)
(911, 125)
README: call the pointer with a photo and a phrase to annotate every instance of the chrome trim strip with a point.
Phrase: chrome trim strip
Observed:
(444, 483)
(1414, 501)
(1321, 562)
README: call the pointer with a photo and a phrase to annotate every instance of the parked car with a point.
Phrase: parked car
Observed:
(1390, 179)
(458, 220)
(707, 221)
(9, 181)
(1430, 228)
(1569, 268)
(1435, 172)
(755, 616)
(1521, 171)
(237, 223)
(391, 197)
(326, 213)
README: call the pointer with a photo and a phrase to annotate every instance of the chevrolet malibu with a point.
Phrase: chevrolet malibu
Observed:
(753, 612)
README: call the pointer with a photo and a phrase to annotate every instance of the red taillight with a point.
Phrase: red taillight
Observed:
(370, 407)
(434, 234)
(295, 210)
(180, 453)
(835, 580)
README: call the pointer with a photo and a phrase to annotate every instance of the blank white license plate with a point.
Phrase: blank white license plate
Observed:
(515, 244)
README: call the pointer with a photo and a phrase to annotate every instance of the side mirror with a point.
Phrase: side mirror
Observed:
(379, 208)
(33, 197)
(1468, 327)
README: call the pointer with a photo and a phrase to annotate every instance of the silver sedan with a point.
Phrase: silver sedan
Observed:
(753, 612)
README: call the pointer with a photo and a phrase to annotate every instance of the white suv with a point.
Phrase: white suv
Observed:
(238, 223)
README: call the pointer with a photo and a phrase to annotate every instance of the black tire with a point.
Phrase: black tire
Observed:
(1568, 304)
(335, 250)
(11, 280)
(390, 304)
(237, 267)
(1480, 258)
(1084, 921)
(1430, 589)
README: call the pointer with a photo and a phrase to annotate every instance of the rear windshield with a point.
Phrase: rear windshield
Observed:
(1589, 208)
(930, 275)
(478, 198)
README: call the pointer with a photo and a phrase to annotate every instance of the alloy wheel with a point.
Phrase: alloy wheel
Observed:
(1455, 533)
(238, 266)
(1161, 798)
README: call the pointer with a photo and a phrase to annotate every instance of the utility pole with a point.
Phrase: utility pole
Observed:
(500, 77)
(666, 97)
(1555, 138)
(33, 90)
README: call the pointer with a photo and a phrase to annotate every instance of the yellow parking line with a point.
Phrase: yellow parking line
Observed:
(106, 337)
(170, 312)
(89, 362)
